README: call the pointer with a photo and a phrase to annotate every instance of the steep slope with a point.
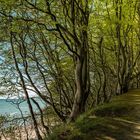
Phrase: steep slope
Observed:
(117, 120)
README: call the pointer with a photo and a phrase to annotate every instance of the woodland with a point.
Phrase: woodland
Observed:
(76, 55)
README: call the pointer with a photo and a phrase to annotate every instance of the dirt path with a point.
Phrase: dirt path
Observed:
(120, 127)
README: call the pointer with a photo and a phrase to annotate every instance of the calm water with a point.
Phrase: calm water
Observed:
(9, 107)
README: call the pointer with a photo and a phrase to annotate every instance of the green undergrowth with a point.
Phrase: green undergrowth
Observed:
(79, 130)
(123, 106)
(114, 109)
(114, 120)
(2, 118)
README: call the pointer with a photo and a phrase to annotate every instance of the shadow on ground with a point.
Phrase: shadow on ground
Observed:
(123, 126)
(117, 120)
(114, 129)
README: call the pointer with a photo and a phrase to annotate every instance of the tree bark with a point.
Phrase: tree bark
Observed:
(81, 78)
(25, 91)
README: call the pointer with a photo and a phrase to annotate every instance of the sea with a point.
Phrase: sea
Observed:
(13, 107)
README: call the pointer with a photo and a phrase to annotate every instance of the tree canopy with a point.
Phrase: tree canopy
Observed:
(74, 54)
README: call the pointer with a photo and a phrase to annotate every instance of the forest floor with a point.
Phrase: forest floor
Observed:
(117, 120)
(121, 118)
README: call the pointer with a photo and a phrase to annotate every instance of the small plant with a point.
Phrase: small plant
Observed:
(65, 132)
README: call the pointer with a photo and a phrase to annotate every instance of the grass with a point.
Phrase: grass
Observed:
(117, 120)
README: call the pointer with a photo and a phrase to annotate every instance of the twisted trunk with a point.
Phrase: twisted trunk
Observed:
(81, 78)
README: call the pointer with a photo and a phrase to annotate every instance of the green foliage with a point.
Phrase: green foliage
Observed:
(113, 120)
(113, 109)
(119, 106)
(46, 37)
(87, 124)
(66, 131)
(2, 118)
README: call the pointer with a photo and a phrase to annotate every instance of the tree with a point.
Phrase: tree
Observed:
(71, 27)
(72, 53)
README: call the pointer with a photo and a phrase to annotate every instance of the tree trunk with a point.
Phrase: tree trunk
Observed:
(25, 90)
(82, 79)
